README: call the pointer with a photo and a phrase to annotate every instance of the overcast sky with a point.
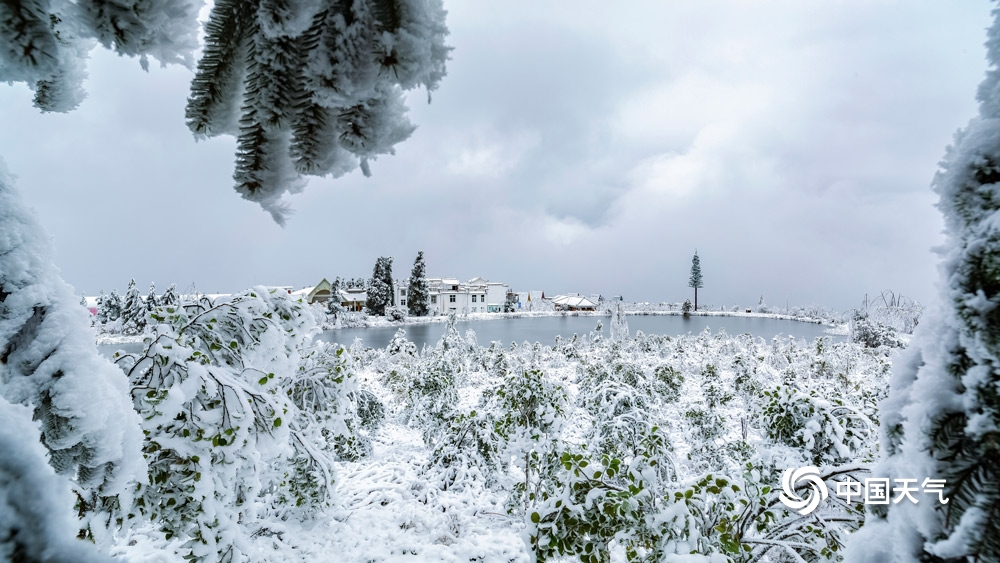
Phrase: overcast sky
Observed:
(573, 147)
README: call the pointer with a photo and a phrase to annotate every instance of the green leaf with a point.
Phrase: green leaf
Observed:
(277, 422)
(535, 518)
(262, 380)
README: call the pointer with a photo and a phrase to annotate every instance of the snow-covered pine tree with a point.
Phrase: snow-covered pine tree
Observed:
(418, 294)
(45, 44)
(942, 415)
(312, 87)
(152, 302)
(333, 305)
(113, 306)
(133, 311)
(388, 280)
(50, 372)
(169, 297)
(102, 312)
(695, 280)
(380, 287)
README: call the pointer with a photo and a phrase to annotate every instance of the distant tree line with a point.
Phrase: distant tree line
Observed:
(131, 313)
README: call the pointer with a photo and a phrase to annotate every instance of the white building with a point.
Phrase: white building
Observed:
(449, 295)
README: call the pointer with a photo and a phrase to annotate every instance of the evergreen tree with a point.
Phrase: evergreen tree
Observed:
(942, 415)
(151, 300)
(418, 294)
(83, 302)
(695, 280)
(102, 311)
(113, 306)
(333, 305)
(380, 288)
(318, 86)
(64, 407)
(169, 297)
(133, 311)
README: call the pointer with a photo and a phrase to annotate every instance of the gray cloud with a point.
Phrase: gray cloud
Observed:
(572, 147)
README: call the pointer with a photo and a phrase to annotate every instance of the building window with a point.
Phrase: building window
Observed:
(482, 299)
(451, 299)
(402, 302)
(402, 292)
(434, 298)
(473, 298)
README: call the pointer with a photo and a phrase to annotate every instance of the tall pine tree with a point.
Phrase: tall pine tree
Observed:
(380, 287)
(152, 302)
(695, 280)
(170, 297)
(133, 311)
(418, 294)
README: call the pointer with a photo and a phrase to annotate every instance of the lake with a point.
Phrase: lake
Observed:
(545, 329)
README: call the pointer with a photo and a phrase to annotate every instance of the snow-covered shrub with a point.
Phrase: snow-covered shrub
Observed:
(371, 411)
(686, 307)
(746, 381)
(826, 430)
(895, 311)
(467, 448)
(395, 313)
(585, 504)
(527, 410)
(621, 416)
(326, 426)
(872, 334)
(739, 518)
(209, 388)
(713, 389)
(399, 345)
(706, 428)
(668, 382)
(430, 392)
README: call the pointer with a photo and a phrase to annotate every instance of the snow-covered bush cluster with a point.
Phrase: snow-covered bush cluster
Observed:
(642, 446)
(244, 417)
(871, 333)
